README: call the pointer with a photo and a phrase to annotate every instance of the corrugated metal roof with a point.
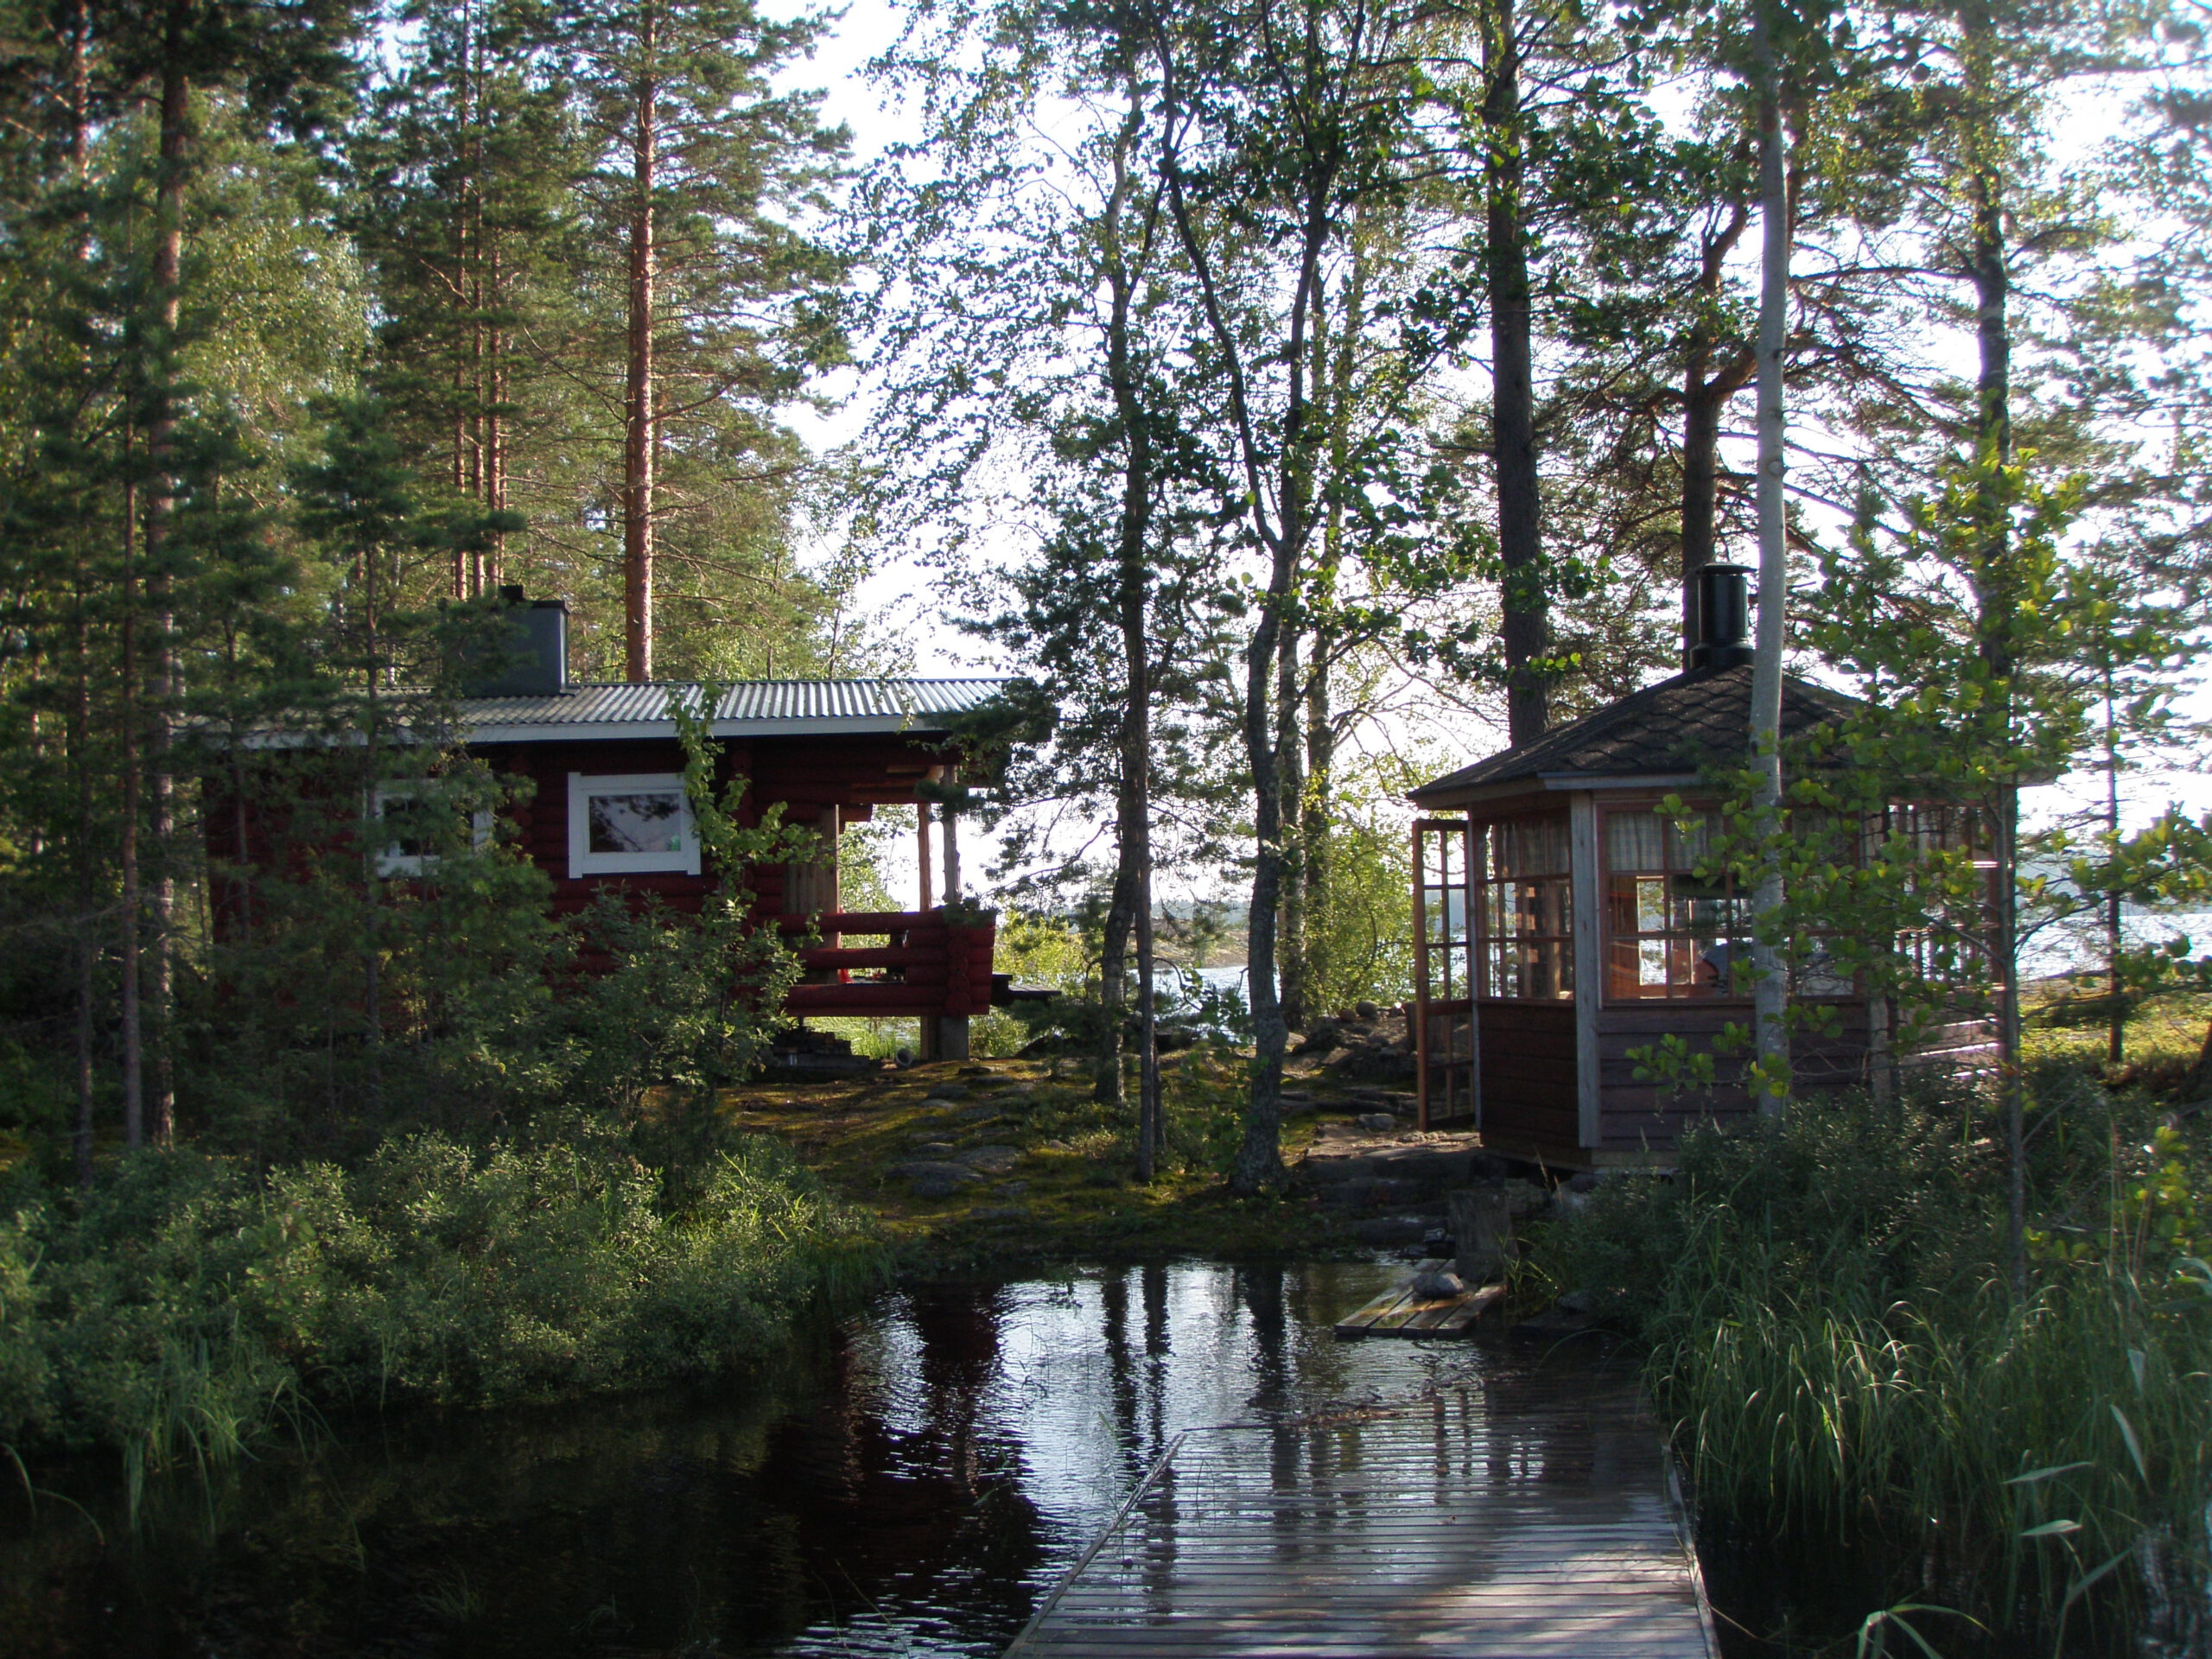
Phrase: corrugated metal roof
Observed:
(621, 709)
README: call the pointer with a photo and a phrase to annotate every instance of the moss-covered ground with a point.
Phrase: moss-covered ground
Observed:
(1073, 1191)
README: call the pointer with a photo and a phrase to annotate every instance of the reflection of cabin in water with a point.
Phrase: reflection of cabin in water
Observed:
(607, 808)
(1562, 921)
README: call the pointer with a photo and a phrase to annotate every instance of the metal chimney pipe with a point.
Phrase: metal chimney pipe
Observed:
(1722, 604)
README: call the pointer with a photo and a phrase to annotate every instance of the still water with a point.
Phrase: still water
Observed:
(910, 1483)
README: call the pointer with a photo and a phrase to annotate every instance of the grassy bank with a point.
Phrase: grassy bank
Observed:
(1831, 1337)
(192, 1306)
(1069, 1192)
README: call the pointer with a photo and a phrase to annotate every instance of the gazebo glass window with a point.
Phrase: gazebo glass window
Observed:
(1524, 909)
(1948, 948)
(1669, 931)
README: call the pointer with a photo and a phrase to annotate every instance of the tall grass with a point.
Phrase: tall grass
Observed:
(1830, 1335)
(194, 1308)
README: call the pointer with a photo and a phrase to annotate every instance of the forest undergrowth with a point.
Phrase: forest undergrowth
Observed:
(193, 1307)
(1822, 1298)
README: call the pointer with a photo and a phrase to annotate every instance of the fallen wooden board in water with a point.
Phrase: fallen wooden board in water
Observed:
(1399, 1312)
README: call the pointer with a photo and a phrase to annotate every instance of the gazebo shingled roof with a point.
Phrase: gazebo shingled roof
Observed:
(1670, 729)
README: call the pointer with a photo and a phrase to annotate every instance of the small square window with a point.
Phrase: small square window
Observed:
(630, 824)
(410, 813)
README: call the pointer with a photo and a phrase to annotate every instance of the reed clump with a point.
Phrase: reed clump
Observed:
(193, 1306)
(1832, 1335)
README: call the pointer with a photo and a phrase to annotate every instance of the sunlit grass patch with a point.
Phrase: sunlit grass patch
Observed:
(1073, 1191)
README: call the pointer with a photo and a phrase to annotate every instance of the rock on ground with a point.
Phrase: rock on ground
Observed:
(930, 1179)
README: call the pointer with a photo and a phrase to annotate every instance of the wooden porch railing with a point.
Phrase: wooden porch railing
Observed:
(930, 965)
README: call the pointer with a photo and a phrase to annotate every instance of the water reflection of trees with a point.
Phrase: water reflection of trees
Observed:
(931, 1471)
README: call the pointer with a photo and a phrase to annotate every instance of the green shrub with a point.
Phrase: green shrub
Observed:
(188, 1305)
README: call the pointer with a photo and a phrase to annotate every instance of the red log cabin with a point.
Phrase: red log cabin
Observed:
(1561, 923)
(608, 807)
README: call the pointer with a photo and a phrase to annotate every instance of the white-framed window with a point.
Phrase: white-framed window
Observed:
(409, 817)
(629, 822)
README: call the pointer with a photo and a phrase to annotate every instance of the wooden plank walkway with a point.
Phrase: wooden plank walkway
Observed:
(1465, 1526)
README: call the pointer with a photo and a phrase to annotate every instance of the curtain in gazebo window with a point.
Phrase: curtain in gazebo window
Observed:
(1524, 909)
(1670, 930)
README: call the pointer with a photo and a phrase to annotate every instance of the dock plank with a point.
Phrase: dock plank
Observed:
(1450, 1527)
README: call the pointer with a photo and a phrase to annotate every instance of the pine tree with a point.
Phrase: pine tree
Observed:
(704, 178)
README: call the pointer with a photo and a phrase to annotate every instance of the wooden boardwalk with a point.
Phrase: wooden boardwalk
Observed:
(1508, 1522)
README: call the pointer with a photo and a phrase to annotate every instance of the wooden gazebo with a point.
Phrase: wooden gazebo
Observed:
(1562, 921)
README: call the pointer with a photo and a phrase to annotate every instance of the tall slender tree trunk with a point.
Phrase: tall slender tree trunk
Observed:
(81, 736)
(1135, 825)
(88, 931)
(1771, 984)
(1289, 744)
(1259, 1155)
(465, 579)
(1108, 1088)
(641, 449)
(1335, 362)
(1990, 273)
(2115, 938)
(133, 1032)
(1524, 607)
(495, 417)
(1130, 912)
(161, 509)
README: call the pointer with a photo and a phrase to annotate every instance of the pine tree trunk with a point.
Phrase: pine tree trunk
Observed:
(495, 459)
(1107, 1088)
(88, 931)
(641, 448)
(463, 585)
(132, 1035)
(88, 947)
(1771, 985)
(1990, 276)
(161, 506)
(1524, 607)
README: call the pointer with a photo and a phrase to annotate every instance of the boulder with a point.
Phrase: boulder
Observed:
(1378, 1061)
(1386, 1230)
(1438, 1282)
(991, 1160)
(1325, 1036)
(1367, 1011)
(931, 1179)
(1378, 1123)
